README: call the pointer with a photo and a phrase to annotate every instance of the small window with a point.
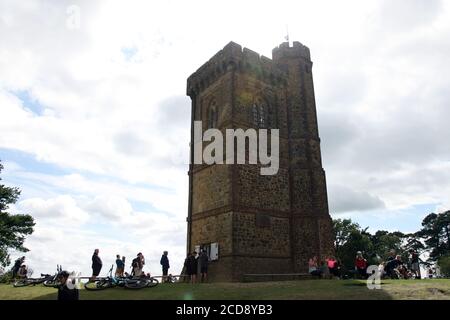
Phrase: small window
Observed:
(259, 115)
(212, 116)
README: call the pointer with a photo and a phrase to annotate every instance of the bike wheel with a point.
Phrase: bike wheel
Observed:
(136, 283)
(22, 283)
(51, 283)
(98, 285)
(152, 282)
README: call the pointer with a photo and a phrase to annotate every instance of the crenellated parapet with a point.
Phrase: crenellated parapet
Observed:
(297, 50)
(234, 58)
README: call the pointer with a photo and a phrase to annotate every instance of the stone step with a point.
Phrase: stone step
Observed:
(259, 277)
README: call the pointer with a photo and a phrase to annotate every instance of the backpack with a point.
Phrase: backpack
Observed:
(135, 263)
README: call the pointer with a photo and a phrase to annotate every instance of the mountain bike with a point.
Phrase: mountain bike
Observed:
(127, 282)
(54, 280)
(31, 281)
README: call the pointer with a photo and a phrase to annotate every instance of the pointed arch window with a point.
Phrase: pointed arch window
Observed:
(259, 115)
(212, 116)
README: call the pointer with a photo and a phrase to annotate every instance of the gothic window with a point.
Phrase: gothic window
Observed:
(212, 116)
(260, 116)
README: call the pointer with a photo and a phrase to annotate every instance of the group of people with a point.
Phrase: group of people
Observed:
(195, 264)
(137, 266)
(326, 268)
(19, 270)
(394, 267)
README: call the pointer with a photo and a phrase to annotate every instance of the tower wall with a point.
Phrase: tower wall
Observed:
(263, 224)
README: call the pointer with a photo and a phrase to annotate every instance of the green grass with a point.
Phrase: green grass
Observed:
(304, 289)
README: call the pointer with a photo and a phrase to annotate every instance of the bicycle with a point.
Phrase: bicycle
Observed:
(54, 281)
(31, 281)
(127, 282)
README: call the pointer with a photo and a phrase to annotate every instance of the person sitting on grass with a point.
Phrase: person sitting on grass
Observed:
(313, 267)
(391, 268)
(22, 273)
(361, 265)
(333, 266)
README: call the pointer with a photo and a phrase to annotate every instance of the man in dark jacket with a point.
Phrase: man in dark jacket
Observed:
(17, 265)
(203, 265)
(96, 264)
(165, 265)
(193, 266)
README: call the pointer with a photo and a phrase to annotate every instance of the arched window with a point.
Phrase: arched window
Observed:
(259, 114)
(212, 116)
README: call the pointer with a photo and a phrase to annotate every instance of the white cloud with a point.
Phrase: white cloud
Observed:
(62, 209)
(344, 199)
(116, 121)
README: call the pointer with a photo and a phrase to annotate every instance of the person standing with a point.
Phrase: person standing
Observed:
(138, 264)
(17, 265)
(187, 267)
(193, 266)
(204, 265)
(96, 264)
(415, 267)
(165, 265)
(120, 266)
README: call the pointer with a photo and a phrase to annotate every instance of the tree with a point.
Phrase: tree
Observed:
(350, 238)
(13, 228)
(436, 234)
(444, 265)
(384, 241)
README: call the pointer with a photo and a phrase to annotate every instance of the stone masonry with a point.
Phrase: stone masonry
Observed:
(263, 224)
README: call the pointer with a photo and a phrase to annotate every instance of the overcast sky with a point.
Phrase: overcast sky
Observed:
(94, 121)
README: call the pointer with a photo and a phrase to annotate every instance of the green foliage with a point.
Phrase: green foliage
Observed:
(13, 228)
(6, 277)
(350, 238)
(436, 233)
(444, 265)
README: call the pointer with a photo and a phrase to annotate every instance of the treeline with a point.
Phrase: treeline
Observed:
(433, 238)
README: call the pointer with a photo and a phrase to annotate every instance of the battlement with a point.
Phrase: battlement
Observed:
(233, 57)
(285, 51)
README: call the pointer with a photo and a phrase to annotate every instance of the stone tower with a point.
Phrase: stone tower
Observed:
(260, 224)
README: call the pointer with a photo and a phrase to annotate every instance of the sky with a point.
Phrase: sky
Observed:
(94, 121)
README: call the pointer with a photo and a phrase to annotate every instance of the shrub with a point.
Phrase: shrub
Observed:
(6, 277)
(444, 265)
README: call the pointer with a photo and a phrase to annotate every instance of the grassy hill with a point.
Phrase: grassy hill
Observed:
(305, 289)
